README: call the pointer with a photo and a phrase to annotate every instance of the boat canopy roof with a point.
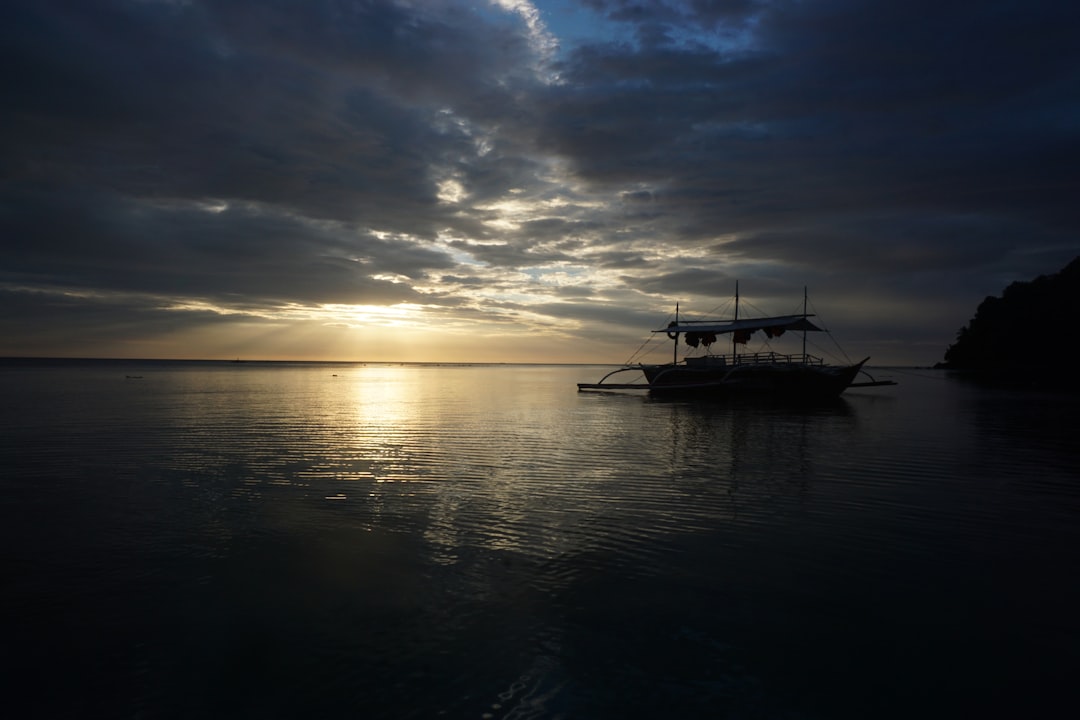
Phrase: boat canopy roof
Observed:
(784, 322)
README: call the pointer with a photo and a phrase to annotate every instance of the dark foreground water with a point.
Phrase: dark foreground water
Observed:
(323, 541)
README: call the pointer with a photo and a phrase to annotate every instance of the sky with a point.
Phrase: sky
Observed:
(515, 181)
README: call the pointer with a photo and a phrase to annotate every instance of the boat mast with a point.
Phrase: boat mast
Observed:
(675, 346)
(734, 335)
(804, 321)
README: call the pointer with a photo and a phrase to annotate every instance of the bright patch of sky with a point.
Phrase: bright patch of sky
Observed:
(542, 40)
(402, 314)
(574, 24)
(451, 191)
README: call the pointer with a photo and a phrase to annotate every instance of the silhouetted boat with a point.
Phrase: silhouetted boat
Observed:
(771, 374)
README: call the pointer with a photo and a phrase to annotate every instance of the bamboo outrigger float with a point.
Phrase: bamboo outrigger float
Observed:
(797, 375)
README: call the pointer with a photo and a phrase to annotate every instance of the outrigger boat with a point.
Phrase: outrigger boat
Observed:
(798, 375)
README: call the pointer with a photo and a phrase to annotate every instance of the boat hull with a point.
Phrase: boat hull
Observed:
(779, 380)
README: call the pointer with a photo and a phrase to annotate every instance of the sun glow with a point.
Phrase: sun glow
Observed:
(400, 315)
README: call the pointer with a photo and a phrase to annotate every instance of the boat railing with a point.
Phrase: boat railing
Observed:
(756, 358)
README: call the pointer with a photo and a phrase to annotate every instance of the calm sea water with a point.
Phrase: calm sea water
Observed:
(306, 540)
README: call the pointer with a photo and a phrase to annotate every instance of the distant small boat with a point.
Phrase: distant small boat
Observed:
(767, 374)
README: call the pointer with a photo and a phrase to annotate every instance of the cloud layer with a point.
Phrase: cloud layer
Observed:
(558, 172)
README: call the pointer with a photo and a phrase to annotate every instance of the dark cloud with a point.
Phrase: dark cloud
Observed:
(253, 253)
(696, 281)
(834, 108)
(58, 324)
(326, 108)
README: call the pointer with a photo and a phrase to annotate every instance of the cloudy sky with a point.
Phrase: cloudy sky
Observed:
(505, 180)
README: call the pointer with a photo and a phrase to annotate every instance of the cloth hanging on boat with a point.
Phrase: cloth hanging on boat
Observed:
(692, 339)
(708, 338)
(772, 332)
(742, 336)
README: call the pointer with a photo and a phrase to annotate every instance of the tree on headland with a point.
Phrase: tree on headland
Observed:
(1027, 330)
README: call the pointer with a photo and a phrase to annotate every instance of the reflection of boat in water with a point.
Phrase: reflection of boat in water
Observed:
(770, 374)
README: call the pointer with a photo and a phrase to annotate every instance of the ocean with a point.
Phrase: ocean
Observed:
(280, 540)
